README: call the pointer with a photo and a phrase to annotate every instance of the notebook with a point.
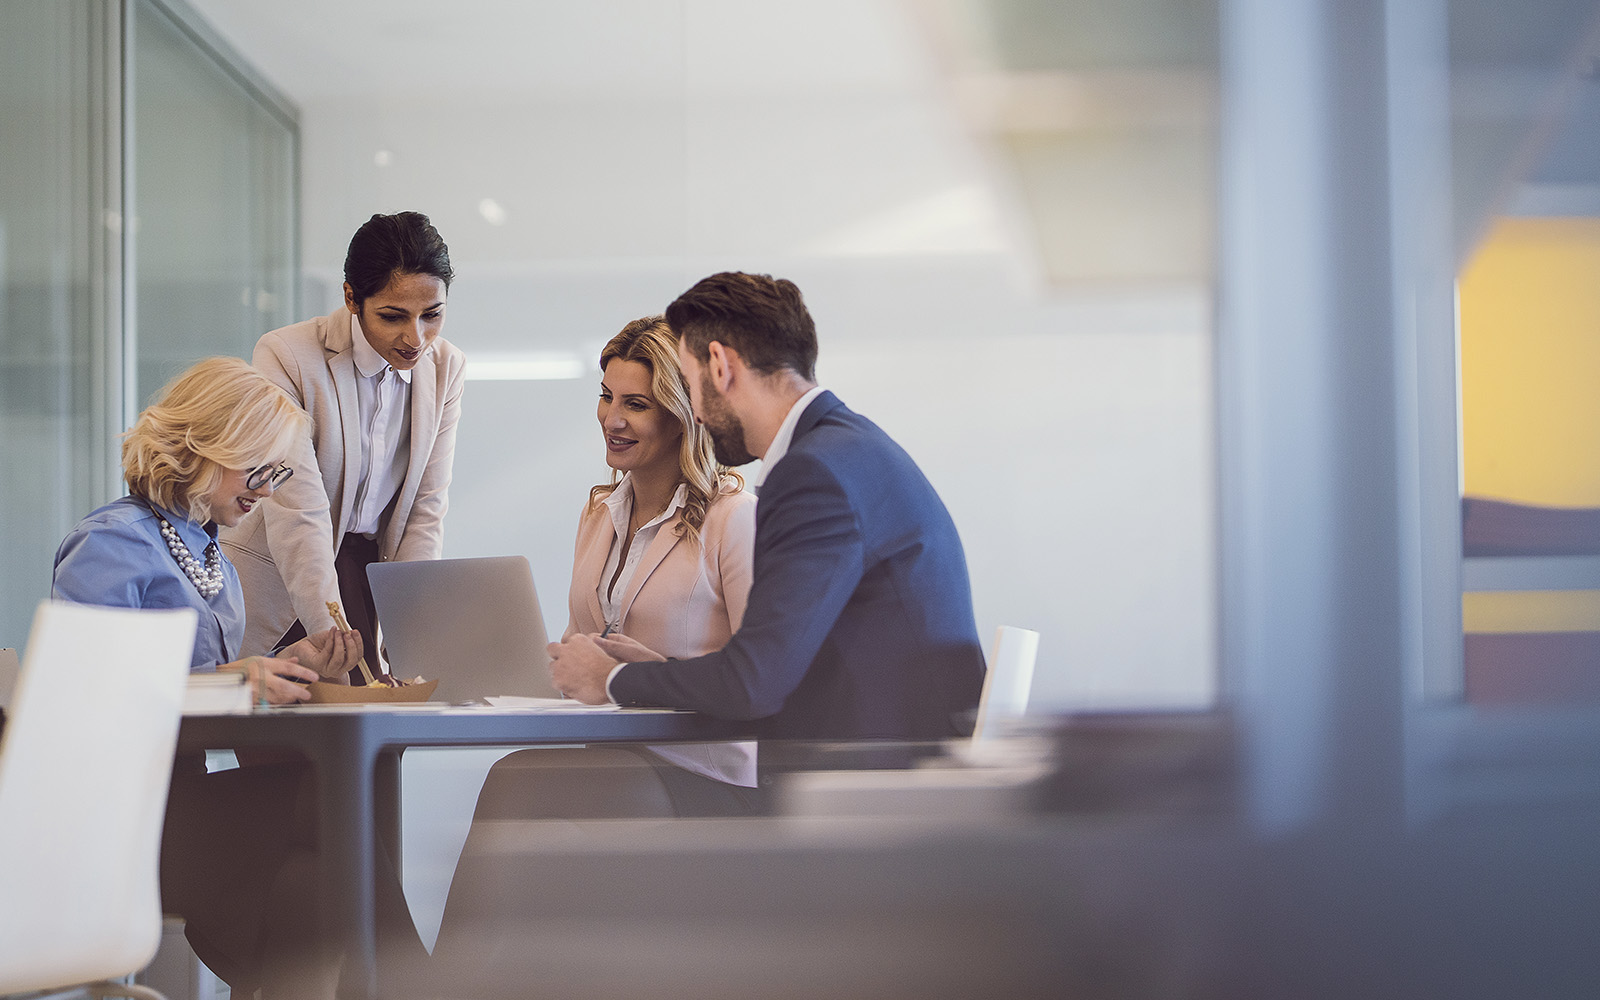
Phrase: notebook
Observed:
(472, 624)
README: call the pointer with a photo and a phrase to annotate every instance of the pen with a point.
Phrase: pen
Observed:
(610, 628)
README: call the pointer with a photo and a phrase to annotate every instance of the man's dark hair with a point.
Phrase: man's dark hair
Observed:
(763, 319)
(387, 245)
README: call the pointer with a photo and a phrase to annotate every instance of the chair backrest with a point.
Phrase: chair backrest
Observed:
(84, 766)
(1008, 681)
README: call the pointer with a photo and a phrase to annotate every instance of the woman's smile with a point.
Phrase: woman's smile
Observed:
(639, 434)
(233, 498)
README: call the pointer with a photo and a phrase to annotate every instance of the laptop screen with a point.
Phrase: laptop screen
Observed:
(472, 624)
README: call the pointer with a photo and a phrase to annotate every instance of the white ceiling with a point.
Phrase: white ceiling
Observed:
(593, 50)
(544, 130)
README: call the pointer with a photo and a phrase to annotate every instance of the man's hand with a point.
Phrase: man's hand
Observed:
(579, 669)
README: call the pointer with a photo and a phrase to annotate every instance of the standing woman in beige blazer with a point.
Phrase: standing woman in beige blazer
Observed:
(383, 389)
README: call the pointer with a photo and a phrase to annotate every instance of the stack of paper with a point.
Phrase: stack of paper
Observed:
(222, 692)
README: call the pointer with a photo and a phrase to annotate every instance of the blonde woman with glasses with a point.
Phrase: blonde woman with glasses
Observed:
(206, 453)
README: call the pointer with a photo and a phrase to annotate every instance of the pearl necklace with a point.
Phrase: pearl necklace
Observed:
(207, 579)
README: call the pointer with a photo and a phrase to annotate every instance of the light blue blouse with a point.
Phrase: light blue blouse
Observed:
(117, 557)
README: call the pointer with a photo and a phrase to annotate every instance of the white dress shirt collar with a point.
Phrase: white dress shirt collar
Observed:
(620, 503)
(368, 361)
(781, 440)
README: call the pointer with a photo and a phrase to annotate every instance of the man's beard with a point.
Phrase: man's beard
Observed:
(727, 433)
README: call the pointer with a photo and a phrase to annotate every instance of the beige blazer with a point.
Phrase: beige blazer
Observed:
(685, 599)
(284, 549)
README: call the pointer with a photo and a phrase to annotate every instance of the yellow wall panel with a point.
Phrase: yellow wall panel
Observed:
(1531, 611)
(1530, 363)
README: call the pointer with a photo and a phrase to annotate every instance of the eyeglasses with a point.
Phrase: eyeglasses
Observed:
(263, 475)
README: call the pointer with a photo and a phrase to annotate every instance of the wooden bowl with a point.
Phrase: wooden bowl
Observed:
(323, 693)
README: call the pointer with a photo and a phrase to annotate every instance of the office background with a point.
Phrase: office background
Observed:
(1203, 318)
(588, 162)
(1162, 295)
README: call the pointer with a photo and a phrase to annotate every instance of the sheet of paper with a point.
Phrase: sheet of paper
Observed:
(546, 704)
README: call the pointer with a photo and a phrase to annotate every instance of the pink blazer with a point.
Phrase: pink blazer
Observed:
(685, 599)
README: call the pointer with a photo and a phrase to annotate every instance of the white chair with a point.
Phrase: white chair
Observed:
(84, 767)
(983, 776)
(1008, 681)
(9, 667)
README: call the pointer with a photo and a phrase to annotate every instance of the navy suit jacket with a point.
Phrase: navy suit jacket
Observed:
(859, 623)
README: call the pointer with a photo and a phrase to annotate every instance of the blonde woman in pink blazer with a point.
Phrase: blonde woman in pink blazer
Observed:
(665, 549)
(663, 557)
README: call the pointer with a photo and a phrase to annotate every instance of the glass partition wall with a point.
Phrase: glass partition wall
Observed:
(148, 199)
(212, 181)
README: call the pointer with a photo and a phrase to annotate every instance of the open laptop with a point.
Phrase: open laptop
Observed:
(472, 624)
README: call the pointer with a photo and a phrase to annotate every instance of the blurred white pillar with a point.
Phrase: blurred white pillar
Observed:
(1310, 529)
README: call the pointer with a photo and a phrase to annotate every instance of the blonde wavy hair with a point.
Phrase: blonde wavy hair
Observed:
(651, 342)
(220, 414)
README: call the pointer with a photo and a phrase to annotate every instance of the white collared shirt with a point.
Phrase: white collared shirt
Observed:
(781, 440)
(384, 403)
(620, 505)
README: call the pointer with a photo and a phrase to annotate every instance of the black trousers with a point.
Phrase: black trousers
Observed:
(356, 553)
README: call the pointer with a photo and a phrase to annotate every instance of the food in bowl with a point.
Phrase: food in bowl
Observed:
(379, 687)
(324, 693)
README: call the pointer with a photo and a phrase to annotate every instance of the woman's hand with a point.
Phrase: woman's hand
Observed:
(270, 678)
(625, 649)
(331, 653)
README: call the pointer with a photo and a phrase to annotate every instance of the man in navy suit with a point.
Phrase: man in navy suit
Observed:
(859, 623)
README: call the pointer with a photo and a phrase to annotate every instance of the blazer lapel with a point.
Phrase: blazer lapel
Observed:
(665, 539)
(342, 366)
(591, 562)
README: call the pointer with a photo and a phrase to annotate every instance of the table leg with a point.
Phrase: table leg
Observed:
(386, 802)
(345, 768)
